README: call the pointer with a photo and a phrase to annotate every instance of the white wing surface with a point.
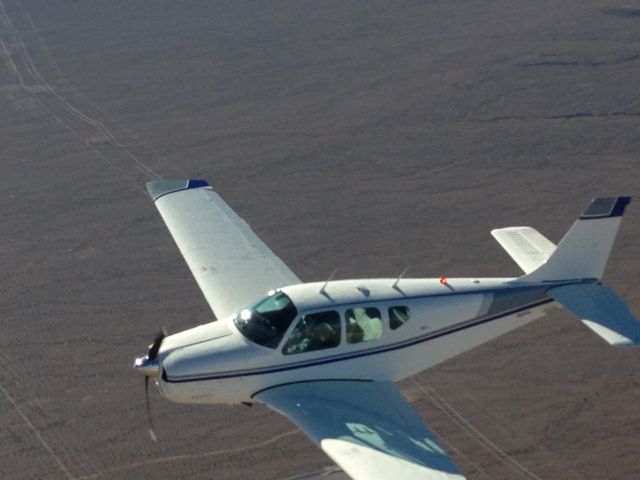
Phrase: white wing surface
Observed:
(367, 428)
(528, 247)
(232, 266)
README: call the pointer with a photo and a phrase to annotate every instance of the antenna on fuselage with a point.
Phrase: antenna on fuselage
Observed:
(395, 284)
(322, 290)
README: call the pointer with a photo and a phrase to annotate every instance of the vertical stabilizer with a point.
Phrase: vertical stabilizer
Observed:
(584, 250)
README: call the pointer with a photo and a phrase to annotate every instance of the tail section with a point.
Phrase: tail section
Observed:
(579, 260)
(584, 250)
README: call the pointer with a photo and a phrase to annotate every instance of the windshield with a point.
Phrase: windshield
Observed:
(266, 322)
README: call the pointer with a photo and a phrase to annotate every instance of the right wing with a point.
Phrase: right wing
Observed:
(367, 428)
(528, 247)
(232, 266)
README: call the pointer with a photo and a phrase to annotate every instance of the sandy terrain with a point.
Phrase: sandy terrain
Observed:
(364, 135)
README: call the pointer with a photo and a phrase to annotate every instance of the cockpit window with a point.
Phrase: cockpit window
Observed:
(315, 331)
(363, 324)
(266, 322)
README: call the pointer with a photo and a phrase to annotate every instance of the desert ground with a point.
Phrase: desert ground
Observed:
(364, 136)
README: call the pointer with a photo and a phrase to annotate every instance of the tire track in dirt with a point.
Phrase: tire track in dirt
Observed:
(84, 99)
(15, 387)
(189, 456)
(87, 129)
(482, 440)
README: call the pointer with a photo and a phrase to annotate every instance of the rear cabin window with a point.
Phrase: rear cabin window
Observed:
(364, 324)
(398, 316)
(315, 331)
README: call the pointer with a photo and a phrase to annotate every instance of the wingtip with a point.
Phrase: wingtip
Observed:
(159, 188)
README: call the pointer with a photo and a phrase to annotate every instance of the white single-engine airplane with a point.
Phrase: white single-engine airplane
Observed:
(326, 354)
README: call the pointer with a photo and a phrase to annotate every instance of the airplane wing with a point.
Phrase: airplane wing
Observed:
(232, 266)
(528, 247)
(367, 428)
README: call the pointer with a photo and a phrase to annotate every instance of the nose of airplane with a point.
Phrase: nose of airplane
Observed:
(149, 364)
(146, 366)
(182, 364)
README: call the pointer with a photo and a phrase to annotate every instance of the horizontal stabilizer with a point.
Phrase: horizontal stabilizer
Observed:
(528, 247)
(602, 310)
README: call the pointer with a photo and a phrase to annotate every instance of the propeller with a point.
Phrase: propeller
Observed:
(155, 346)
(152, 432)
(150, 366)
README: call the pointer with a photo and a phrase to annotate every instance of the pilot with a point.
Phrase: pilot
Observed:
(321, 335)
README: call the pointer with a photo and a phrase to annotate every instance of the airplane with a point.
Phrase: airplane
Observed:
(327, 354)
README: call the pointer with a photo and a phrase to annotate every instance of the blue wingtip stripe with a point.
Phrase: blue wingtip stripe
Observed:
(197, 183)
(160, 188)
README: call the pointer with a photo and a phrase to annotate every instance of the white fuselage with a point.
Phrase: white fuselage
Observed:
(217, 363)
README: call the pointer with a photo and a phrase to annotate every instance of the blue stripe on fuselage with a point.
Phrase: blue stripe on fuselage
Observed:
(362, 353)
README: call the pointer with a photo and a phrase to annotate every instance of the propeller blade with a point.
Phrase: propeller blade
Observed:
(152, 433)
(157, 342)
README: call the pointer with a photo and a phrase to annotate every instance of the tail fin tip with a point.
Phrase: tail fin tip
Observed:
(584, 250)
(605, 207)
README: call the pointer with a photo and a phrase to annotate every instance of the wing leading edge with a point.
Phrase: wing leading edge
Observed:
(367, 428)
(232, 266)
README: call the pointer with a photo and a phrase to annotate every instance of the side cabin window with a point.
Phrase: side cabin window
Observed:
(398, 316)
(364, 324)
(315, 331)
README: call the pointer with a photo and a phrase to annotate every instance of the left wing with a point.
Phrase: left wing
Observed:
(232, 266)
(367, 428)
